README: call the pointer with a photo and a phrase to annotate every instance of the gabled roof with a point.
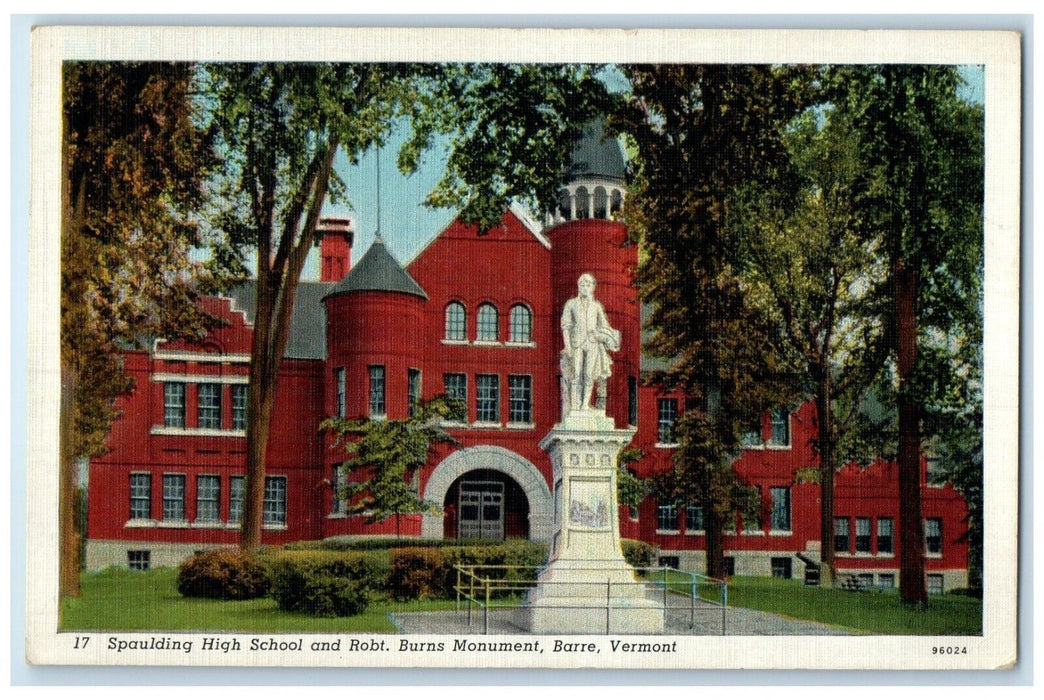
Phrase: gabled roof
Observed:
(307, 338)
(596, 156)
(377, 271)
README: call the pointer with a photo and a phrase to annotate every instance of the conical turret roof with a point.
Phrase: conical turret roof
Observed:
(596, 156)
(377, 271)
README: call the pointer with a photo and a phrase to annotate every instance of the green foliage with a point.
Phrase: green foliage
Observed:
(229, 574)
(630, 490)
(326, 584)
(520, 559)
(639, 554)
(383, 456)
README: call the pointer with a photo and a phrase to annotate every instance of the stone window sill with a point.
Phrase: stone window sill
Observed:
(195, 432)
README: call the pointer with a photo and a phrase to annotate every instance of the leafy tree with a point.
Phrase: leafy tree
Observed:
(384, 456)
(919, 200)
(282, 124)
(133, 164)
(630, 490)
(701, 135)
(806, 265)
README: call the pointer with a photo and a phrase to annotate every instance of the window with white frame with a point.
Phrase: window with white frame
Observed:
(240, 397)
(886, 580)
(780, 508)
(141, 496)
(455, 321)
(139, 559)
(174, 497)
(841, 542)
(174, 404)
(521, 324)
(487, 398)
(862, 535)
(667, 518)
(781, 567)
(752, 521)
(780, 435)
(413, 391)
(208, 498)
(341, 381)
(520, 398)
(933, 538)
(667, 416)
(376, 390)
(274, 508)
(339, 480)
(694, 518)
(884, 536)
(236, 493)
(488, 325)
(866, 581)
(209, 406)
(751, 438)
(455, 385)
(936, 584)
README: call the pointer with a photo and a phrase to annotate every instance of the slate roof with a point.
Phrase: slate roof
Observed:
(597, 156)
(307, 339)
(377, 271)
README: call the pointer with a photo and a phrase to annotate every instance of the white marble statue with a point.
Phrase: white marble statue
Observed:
(588, 341)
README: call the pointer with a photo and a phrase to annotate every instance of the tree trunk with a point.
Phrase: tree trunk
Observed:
(68, 524)
(911, 536)
(827, 469)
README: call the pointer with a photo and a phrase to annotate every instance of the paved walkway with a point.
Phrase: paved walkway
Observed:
(705, 620)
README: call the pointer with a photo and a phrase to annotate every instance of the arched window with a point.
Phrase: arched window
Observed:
(521, 324)
(455, 321)
(487, 323)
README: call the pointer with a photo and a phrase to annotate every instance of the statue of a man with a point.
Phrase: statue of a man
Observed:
(588, 340)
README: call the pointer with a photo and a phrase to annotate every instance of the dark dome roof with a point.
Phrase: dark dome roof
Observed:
(378, 271)
(597, 155)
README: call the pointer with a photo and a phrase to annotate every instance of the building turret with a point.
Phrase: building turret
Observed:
(334, 237)
(373, 317)
(587, 236)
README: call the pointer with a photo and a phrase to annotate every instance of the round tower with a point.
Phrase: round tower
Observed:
(587, 235)
(373, 318)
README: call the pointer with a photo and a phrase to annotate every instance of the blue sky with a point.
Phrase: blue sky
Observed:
(406, 224)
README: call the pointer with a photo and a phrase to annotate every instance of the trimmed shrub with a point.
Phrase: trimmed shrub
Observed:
(513, 560)
(229, 574)
(326, 584)
(362, 544)
(416, 572)
(638, 554)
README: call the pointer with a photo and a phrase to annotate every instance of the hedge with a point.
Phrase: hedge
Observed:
(326, 583)
(229, 574)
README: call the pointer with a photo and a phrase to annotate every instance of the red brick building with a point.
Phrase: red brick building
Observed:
(474, 315)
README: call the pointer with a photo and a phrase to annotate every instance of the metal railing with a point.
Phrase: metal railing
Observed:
(489, 586)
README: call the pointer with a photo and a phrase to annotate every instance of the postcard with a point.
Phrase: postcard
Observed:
(524, 348)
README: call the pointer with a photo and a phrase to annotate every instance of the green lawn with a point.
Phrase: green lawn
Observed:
(120, 599)
(871, 612)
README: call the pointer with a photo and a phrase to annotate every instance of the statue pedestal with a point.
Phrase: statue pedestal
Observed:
(588, 587)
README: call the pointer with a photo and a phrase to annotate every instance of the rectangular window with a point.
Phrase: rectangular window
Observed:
(174, 404)
(632, 401)
(751, 438)
(376, 390)
(667, 518)
(862, 538)
(413, 391)
(208, 498)
(236, 491)
(339, 379)
(884, 535)
(174, 497)
(781, 567)
(274, 511)
(780, 508)
(339, 480)
(667, 416)
(933, 542)
(141, 496)
(693, 518)
(780, 427)
(866, 581)
(455, 385)
(935, 584)
(520, 399)
(487, 398)
(841, 534)
(886, 580)
(209, 409)
(240, 392)
(752, 521)
(139, 559)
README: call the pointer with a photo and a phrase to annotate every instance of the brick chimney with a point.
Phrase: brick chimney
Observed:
(335, 238)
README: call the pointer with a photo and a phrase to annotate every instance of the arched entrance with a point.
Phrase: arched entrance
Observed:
(505, 496)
